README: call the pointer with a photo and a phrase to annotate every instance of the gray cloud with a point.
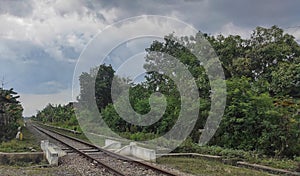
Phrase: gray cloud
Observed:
(40, 40)
(253, 13)
(32, 70)
(210, 16)
(16, 7)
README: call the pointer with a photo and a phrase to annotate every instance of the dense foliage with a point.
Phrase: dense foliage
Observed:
(263, 85)
(58, 115)
(263, 91)
(10, 112)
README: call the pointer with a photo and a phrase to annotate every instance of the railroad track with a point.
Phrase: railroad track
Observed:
(114, 163)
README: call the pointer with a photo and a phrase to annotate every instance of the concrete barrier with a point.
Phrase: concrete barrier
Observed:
(111, 144)
(52, 156)
(52, 152)
(138, 152)
(44, 144)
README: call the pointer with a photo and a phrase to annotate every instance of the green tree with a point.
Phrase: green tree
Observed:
(286, 79)
(10, 111)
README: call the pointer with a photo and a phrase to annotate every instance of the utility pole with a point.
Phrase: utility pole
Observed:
(2, 82)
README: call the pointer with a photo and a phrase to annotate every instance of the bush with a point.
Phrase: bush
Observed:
(8, 132)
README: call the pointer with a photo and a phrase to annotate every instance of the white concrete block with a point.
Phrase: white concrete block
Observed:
(132, 143)
(125, 150)
(44, 144)
(111, 144)
(138, 152)
(52, 156)
(109, 141)
(143, 153)
(52, 152)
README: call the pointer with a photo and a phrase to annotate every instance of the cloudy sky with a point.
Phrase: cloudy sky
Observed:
(41, 40)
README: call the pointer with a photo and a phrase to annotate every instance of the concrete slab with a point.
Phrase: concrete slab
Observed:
(112, 144)
(138, 152)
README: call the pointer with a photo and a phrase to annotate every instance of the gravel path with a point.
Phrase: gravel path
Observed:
(70, 165)
(41, 136)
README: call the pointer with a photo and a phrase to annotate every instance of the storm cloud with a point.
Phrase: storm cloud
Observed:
(41, 40)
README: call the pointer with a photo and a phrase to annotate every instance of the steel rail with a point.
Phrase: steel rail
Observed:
(114, 171)
(112, 154)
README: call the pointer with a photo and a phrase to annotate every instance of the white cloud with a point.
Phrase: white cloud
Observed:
(51, 86)
(110, 15)
(295, 32)
(33, 102)
(232, 29)
(55, 23)
(13, 27)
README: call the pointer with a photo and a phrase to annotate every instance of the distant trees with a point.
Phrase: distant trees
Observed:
(58, 115)
(10, 111)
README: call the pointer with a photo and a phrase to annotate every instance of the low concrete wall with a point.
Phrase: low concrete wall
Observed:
(125, 150)
(23, 157)
(52, 152)
(138, 152)
(212, 157)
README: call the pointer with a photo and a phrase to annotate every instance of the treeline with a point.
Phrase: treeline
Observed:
(263, 90)
(60, 115)
(10, 112)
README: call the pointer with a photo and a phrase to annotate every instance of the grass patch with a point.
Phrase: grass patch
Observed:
(241, 155)
(15, 145)
(199, 166)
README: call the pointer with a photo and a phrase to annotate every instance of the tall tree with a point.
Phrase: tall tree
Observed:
(10, 111)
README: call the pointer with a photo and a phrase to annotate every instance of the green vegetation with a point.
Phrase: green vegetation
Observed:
(16, 145)
(62, 116)
(62, 129)
(240, 155)
(10, 112)
(263, 90)
(200, 166)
